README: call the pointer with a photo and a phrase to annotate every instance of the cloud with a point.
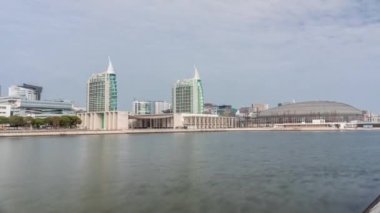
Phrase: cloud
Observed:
(267, 46)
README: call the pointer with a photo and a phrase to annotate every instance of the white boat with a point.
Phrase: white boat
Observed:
(374, 207)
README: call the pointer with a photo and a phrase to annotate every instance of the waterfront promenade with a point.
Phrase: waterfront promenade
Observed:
(65, 132)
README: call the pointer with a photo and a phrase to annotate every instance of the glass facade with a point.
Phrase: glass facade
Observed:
(102, 93)
(113, 92)
(143, 107)
(200, 97)
(184, 98)
(36, 108)
(188, 96)
(26, 92)
(150, 107)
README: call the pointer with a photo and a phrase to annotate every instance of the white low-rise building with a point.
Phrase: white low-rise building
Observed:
(111, 120)
(123, 120)
(37, 108)
(5, 110)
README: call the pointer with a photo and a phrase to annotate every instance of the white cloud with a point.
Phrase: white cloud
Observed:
(278, 40)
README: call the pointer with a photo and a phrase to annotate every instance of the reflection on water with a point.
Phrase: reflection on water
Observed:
(209, 172)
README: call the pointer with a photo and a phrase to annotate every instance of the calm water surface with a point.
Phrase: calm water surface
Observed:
(198, 172)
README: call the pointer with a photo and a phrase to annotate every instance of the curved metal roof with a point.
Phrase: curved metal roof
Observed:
(312, 107)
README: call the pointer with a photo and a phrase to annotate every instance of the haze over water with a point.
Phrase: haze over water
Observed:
(208, 172)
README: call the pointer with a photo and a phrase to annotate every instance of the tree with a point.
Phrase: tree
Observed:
(28, 121)
(74, 121)
(38, 122)
(16, 121)
(65, 121)
(3, 121)
(53, 121)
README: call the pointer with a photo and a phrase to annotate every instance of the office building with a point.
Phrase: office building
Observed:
(161, 107)
(35, 108)
(188, 95)
(244, 111)
(102, 91)
(150, 107)
(371, 117)
(142, 107)
(226, 110)
(26, 92)
(5, 110)
(25, 100)
(221, 110)
(210, 108)
(257, 108)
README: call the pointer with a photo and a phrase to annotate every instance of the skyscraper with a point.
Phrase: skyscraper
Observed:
(102, 91)
(188, 95)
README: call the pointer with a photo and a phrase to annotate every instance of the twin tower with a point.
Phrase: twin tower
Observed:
(187, 95)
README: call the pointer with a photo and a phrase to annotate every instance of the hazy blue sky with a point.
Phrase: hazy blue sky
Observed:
(258, 51)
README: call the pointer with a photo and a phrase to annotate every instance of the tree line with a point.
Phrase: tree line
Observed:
(66, 121)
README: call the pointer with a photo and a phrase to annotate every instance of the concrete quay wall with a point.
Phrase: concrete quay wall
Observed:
(150, 131)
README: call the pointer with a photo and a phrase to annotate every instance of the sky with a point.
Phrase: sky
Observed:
(247, 51)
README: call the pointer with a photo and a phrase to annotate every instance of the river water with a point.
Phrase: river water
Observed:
(194, 172)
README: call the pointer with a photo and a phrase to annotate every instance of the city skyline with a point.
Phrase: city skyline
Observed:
(248, 52)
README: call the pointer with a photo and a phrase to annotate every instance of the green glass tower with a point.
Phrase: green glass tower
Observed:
(102, 91)
(188, 95)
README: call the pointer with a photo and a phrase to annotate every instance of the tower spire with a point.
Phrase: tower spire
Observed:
(110, 67)
(196, 73)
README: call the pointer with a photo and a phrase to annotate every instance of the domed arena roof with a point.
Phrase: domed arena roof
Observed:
(312, 107)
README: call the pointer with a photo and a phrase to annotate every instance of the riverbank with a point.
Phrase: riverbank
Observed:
(25, 133)
(102, 132)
